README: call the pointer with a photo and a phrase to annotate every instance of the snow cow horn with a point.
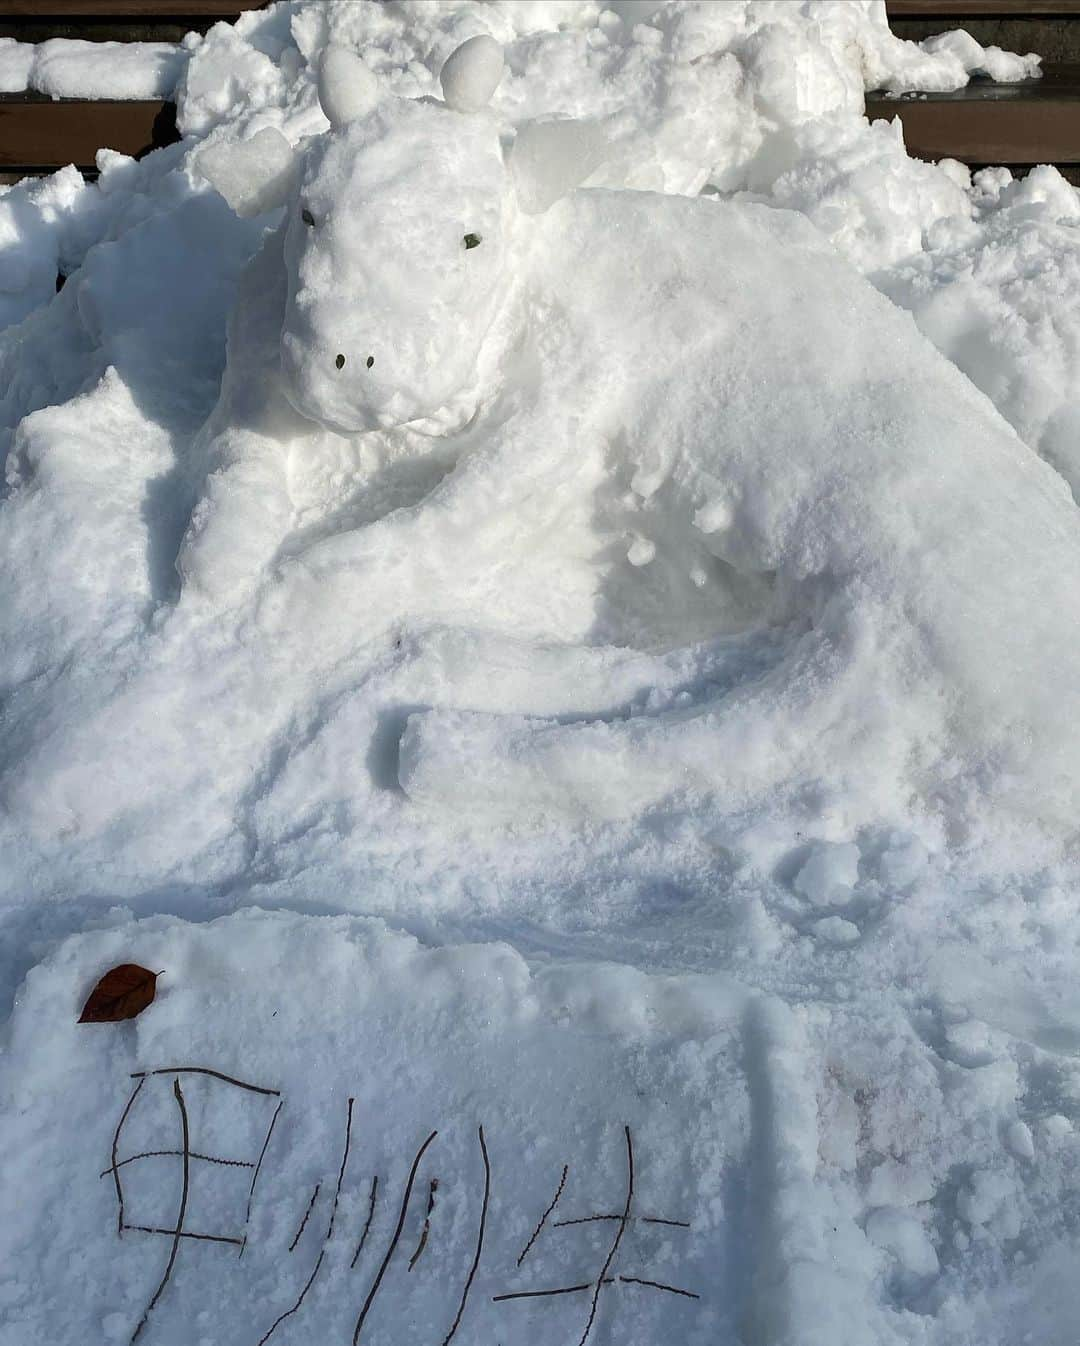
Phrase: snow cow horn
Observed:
(348, 89)
(471, 73)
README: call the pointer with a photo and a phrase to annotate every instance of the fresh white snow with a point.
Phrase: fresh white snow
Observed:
(540, 589)
(73, 68)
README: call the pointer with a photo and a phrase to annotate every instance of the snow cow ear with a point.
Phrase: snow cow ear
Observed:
(471, 73)
(549, 159)
(253, 175)
(348, 89)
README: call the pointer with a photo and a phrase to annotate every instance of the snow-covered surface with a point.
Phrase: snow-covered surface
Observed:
(503, 606)
(71, 68)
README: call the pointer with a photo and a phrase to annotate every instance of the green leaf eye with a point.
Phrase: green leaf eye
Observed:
(307, 217)
(472, 241)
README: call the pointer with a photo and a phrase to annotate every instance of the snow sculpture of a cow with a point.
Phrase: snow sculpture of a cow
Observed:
(369, 306)
(642, 436)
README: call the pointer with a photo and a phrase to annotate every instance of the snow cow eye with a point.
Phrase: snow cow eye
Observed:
(307, 217)
(472, 241)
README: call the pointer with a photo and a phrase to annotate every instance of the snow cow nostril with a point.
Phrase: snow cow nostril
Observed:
(340, 362)
(370, 361)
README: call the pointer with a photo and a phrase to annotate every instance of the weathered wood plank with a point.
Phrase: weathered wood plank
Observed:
(37, 132)
(1034, 122)
(147, 10)
(989, 9)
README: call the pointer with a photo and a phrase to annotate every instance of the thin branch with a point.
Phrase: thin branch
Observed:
(289, 1312)
(115, 1146)
(618, 1236)
(178, 1232)
(394, 1241)
(544, 1294)
(543, 1218)
(184, 1234)
(433, 1187)
(341, 1170)
(479, 1242)
(644, 1219)
(203, 1070)
(154, 1154)
(658, 1285)
(307, 1213)
(367, 1222)
(255, 1175)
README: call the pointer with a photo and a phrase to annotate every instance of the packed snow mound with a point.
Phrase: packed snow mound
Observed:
(449, 1085)
(356, 1133)
(621, 472)
(538, 523)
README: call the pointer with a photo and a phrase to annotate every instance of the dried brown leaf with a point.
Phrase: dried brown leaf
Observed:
(121, 993)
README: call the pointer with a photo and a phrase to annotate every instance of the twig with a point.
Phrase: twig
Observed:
(618, 1236)
(341, 1170)
(154, 1154)
(422, 1244)
(289, 1312)
(184, 1234)
(394, 1241)
(367, 1223)
(307, 1213)
(645, 1219)
(203, 1070)
(479, 1242)
(543, 1218)
(544, 1294)
(115, 1146)
(255, 1175)
(178, 1232)
(658, 1285)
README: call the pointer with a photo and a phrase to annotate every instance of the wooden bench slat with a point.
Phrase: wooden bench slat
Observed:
(1034, 122)
(40, 133)
(982, 9)
(988, 133)
(148, 12)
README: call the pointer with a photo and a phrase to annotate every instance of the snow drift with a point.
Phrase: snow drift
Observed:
(518, 506)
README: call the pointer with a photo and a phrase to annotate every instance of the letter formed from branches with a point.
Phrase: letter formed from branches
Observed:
(346, 1146)
(620, 1222)
(430, 1207)
(183, 1083)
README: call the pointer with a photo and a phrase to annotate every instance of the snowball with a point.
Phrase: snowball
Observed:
(988, 1196)
(902, 1234)
(1019, 1140)
(894, 1182)
(641, 551)
(254, 175)
(829, 873)
(348, 88)
(471, 73)
(835, 930)
(549, 159)
(902, 862)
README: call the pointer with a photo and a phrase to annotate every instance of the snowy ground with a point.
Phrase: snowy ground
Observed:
(578, 697)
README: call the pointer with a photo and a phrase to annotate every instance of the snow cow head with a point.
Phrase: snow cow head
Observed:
(396, 235)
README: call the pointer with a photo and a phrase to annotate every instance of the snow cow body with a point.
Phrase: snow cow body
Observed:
(614, 506)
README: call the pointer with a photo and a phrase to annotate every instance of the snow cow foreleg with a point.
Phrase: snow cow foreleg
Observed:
(236, 528)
